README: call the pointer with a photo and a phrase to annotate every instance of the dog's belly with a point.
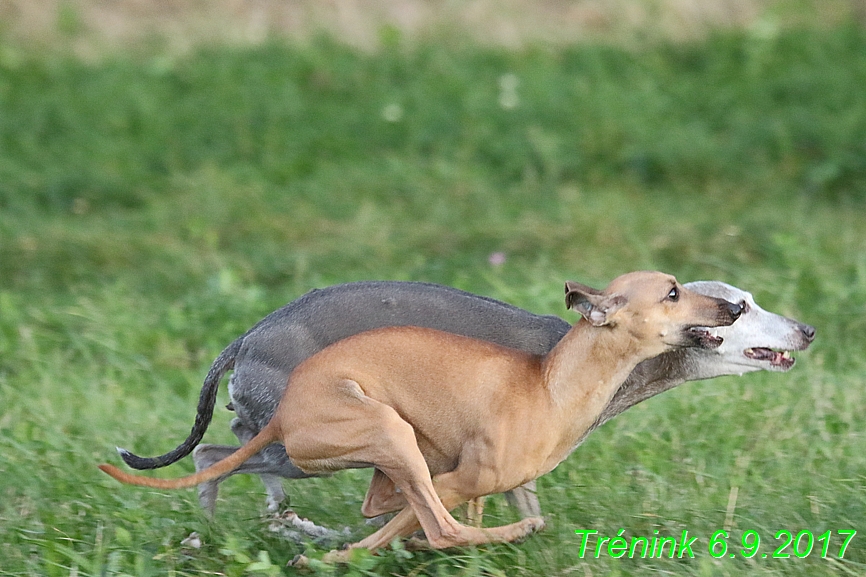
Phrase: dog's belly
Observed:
(437, 460)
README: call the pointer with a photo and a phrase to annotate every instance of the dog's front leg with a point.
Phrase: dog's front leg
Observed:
(460, 485)
(524, 498)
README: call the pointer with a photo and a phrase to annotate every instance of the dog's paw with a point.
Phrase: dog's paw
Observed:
(337, 556)
(299, 562)
(193, 541)
(533, 525)
(294, 528)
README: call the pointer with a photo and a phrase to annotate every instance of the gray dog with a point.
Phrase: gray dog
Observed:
(264, 357)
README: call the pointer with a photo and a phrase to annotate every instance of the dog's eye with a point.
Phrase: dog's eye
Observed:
(674, 295)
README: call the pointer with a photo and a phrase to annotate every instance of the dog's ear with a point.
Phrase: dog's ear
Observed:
(592, 304)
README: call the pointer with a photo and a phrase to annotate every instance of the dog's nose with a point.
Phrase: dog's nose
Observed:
(735, 310)
(808, 331)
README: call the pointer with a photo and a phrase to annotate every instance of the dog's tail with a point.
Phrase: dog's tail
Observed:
(265, 437)
(206, 401)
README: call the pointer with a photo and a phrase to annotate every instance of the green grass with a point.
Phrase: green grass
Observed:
(152, 208)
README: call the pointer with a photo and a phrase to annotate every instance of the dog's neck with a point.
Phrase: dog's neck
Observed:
(648, 379)
(583, 372)
(655, 376)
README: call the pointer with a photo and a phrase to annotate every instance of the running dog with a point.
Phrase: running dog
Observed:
(447, 418)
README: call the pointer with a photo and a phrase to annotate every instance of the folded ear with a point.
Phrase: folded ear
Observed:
(594, 305)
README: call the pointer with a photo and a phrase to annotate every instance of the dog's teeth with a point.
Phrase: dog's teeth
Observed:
(786, 355)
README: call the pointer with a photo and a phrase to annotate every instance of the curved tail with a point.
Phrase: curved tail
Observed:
(265, 437)
(207, 399)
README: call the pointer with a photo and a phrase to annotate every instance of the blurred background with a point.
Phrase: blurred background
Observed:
(97, 25)
(171, 172)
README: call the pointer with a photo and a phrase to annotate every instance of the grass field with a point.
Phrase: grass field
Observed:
(154, 206)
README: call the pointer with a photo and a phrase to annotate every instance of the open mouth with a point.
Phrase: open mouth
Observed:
(702, 338)
(782, 361)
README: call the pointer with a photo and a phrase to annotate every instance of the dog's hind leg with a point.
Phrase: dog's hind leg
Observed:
(272, 482)
(345, 428)
(203, 456)
(206, 455)
(271, 464)
(341, 427)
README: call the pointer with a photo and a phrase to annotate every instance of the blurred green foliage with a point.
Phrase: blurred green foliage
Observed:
(236, 149)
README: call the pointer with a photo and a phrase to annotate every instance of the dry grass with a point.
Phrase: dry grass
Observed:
(92, 26)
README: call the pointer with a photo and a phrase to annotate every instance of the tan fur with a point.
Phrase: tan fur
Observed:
(445, 418)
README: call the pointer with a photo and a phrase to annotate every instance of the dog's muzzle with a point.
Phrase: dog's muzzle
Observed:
(701, 336)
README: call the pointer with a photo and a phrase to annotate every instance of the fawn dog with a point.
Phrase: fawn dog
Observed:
(759, 340)
(448, 418)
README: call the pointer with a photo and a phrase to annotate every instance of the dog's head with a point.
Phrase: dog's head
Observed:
(656, 309)
(760, 340)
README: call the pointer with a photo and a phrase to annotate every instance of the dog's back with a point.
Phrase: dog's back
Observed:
(276, 345)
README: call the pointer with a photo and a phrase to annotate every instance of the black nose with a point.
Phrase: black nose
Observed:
(735, 310)
(808, 331)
